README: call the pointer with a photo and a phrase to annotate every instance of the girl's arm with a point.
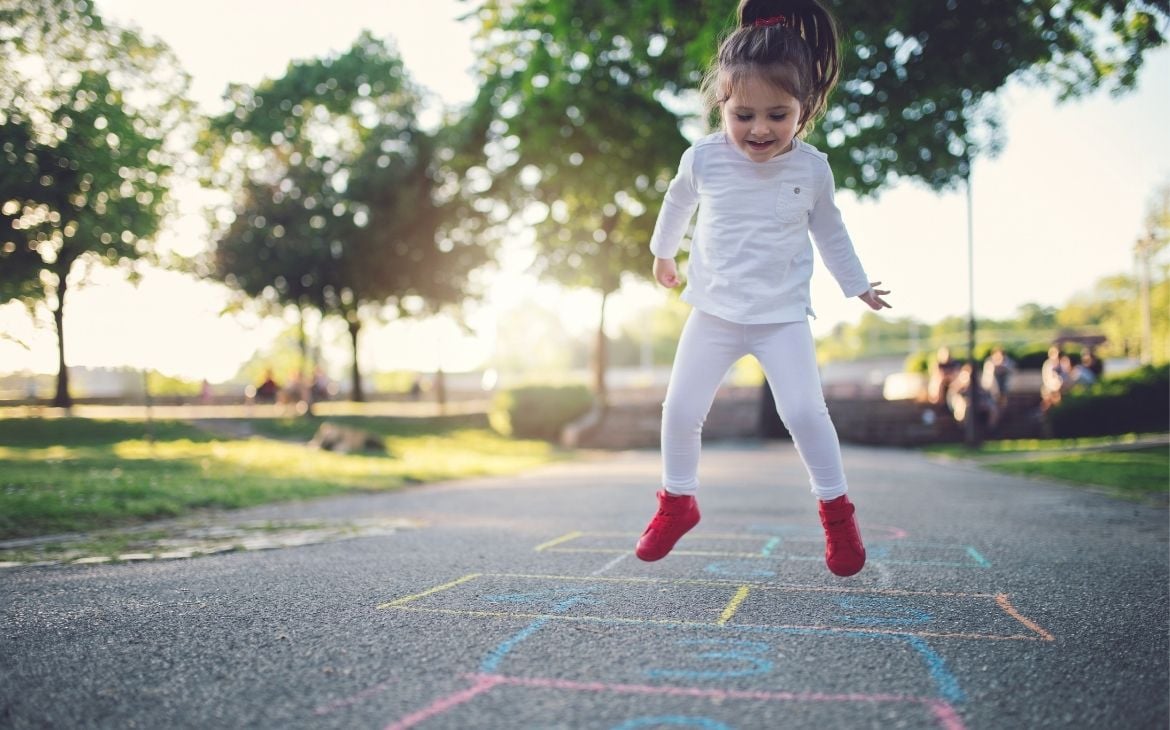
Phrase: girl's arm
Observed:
(678, 207)
(836, 247)
(833, 241)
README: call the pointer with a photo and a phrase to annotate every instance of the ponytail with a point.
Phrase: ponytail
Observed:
(793, 44)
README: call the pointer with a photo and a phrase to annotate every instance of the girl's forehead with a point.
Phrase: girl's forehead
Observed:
(757, 92)
(758, 83)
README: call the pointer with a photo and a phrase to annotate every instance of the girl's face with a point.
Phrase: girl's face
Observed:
(761, 119)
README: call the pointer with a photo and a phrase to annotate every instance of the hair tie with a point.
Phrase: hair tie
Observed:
(768, 22)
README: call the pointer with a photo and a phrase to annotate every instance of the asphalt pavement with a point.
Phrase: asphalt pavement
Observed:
(988, 601)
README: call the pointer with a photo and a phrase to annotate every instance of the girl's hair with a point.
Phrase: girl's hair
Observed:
(790, 44)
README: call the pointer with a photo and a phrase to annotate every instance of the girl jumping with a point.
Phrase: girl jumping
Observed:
(760, 191)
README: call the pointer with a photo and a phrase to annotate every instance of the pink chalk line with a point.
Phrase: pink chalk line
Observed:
(482, 683)
(896, 533)
(943, 712)
(328, 707)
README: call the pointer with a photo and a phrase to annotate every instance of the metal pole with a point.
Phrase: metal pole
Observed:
(972, 427)
(1142, 249)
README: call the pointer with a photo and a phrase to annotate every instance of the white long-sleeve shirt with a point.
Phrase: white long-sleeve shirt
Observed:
(751, 258)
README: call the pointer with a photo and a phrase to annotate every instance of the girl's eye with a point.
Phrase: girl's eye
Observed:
(744, 117)
(779, 117)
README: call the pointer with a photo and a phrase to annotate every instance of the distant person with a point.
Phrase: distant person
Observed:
(1054, 377)
(268, 389)
(320, 387)
(1080, 374)
(943, 372)
(760, 191)
(1094, 363)
(998, 369)
(987, 410)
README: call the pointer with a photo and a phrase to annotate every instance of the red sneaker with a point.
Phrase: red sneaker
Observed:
(677, 514)
(844, 553)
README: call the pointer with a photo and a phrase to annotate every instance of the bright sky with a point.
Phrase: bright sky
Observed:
(1059, 208)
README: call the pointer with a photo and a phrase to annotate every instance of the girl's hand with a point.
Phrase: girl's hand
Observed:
(873, 297)
(666, 272)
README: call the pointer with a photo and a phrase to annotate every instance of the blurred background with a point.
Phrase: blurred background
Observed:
(389, 201)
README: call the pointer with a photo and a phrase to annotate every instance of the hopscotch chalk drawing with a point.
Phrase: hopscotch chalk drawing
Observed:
(698, 602)
(778, 547)
(728, 653)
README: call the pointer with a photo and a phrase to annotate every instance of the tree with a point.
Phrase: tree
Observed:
(917, 74)
(578, 145)
(85, 113)
(337, 203)
(581, 103)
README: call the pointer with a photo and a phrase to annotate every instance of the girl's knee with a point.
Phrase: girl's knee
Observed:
(679, 418)
(806, 417)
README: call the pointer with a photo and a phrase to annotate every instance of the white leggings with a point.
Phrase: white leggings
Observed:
(709, 346)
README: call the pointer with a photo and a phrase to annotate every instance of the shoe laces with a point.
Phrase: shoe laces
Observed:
(664, 516)
(660, 518)
(838, 535)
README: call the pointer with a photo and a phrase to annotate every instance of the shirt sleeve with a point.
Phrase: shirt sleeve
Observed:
(832, 240)
(678, 207)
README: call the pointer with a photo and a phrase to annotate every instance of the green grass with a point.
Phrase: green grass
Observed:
(66, 475)
(1133, 474)
(1012, 446)
(1112, 463)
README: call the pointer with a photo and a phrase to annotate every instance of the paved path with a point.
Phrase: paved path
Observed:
(989, 602)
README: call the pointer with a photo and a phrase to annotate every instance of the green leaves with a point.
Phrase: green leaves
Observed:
(340, 201)
(85, 112)
(912, 102)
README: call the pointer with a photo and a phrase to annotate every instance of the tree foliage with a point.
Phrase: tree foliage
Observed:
(917, 76)
(338, 203)
(85, 113)
(581, 104)
(573, 143)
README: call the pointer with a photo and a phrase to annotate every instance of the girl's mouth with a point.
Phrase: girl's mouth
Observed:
(759, 145)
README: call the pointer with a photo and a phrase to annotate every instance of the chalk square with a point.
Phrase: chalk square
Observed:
(548, 703)
(926, 614)
(727, 657)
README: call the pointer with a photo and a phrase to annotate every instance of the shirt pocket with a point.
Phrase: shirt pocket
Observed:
(794, 202)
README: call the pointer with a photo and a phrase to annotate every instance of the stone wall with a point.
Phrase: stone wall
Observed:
(738, 413)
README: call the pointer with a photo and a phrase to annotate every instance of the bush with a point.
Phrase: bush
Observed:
(165, 385)
(1026, 357)
(1133, 402)
(923, 360)
(1030, 357)
(539, 411)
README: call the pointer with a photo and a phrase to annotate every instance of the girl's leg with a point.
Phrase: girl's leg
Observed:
(788, 357)
(707, 349)
(787, 354)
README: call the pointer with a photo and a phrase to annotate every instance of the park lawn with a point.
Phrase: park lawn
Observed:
(68, 475)
(1131, 472)
(1013, 446)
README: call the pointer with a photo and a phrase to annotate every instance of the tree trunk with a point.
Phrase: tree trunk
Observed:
(602, 356)
(304, 390)
(609, 283)
(62, 399)
(441, 390)
(357, 394)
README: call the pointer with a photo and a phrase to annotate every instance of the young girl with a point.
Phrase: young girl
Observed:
(759, 191)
